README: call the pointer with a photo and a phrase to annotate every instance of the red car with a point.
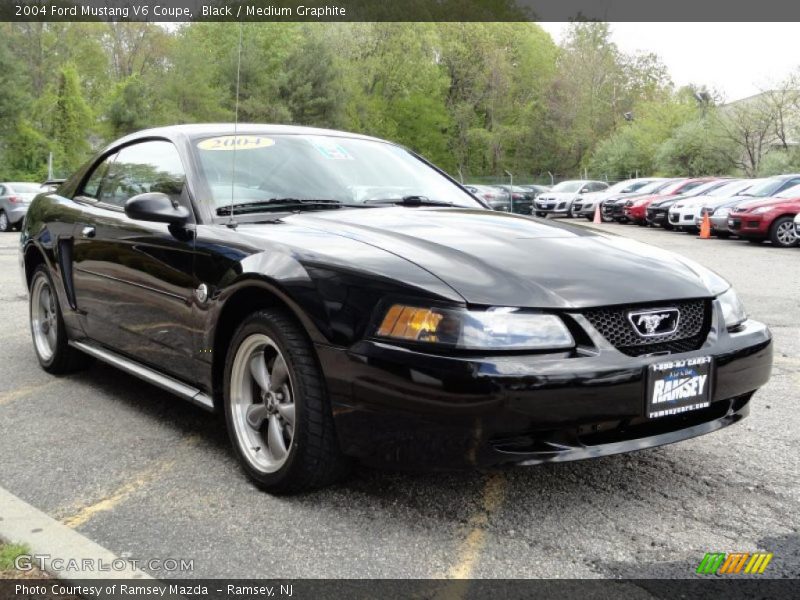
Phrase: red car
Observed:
(636, 210)
(770, 219)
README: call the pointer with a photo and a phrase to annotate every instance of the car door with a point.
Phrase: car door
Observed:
(133, 279)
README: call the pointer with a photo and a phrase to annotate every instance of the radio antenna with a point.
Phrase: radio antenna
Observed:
(231, 222)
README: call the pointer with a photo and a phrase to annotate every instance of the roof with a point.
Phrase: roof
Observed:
(195, 130)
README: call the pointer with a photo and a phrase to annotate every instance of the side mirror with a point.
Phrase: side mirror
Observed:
(158, 207)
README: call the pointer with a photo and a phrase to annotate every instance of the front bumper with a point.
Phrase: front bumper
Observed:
(557, 207)
(748, 225)
(719, 224)
(398, 407)
(636, 213)
(682, 218)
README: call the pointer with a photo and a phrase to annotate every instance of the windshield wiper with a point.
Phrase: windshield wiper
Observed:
(409, 201)
(279, 204)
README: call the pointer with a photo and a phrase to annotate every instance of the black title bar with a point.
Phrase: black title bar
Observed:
(399, 10)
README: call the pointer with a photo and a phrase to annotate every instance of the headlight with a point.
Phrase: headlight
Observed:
(761, 210)
(493, 329)
(732, 309)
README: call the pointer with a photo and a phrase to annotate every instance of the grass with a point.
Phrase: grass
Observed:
(8, 552)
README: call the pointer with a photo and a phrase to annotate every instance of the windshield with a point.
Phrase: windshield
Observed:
(26, 188)
(567, 186)
(732, 189)
(768, 188)
(792, 192)
(654, 186)
(682, 185)
(318, 167)
(703, 189)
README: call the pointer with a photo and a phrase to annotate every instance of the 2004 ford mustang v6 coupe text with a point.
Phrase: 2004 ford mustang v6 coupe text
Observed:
(339, 298)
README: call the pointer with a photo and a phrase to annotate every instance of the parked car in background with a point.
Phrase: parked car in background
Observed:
(613, 209)
(496, 198)
(15, 197)
(558, 201)
(718, 199)
(685, 214)
(584, 206)
(768, 219)
(656, 212)
(768, 188)
(521, 198)
(536, 189)
(51, 185)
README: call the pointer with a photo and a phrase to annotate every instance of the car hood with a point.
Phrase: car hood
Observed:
(715, 201)
(500, 259)
(598, 196)
(556, 195)
(756, 203)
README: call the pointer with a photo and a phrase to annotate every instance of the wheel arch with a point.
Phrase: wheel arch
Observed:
(33, 256)
(243, 299)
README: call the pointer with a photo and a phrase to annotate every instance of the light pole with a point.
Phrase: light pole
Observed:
(510, 192)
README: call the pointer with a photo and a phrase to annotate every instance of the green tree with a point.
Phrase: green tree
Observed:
(696, 148)
(130, 107)
(71, 122)
(311, 82)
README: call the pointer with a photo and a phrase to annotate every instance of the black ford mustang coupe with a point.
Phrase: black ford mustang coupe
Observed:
(339, 298)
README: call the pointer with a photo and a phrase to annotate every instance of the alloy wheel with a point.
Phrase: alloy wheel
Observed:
(785, 234)
(44, 318)
(262, 403)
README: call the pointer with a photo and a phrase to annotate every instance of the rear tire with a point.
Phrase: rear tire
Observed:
(782, 234)
(5, 224)
(50, 341)
(276, 407)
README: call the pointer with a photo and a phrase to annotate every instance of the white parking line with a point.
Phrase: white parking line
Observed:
(21, 523)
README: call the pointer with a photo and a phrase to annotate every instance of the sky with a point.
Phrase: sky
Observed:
(736, 59)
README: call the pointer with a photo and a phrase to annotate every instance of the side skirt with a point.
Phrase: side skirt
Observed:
(170, 384)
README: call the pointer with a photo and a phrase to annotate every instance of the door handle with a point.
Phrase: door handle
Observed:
(88, 231)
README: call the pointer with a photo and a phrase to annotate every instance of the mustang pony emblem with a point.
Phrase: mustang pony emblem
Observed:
(655, 322)
(651, 322)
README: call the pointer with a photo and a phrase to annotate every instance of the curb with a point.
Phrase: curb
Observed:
(21, 523)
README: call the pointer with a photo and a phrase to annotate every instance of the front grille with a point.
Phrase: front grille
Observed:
(693, 327)
(734, 224)
(673, 218)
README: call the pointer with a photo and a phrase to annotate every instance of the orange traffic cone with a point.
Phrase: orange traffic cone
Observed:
(597, 218)
(705, 227)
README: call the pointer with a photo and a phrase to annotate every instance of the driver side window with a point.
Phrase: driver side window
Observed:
(152, 166)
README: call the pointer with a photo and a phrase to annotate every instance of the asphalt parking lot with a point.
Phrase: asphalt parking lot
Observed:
(149, 476)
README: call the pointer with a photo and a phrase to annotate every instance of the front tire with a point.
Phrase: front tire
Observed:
(276, 407)
(782, 234)
(50, 341)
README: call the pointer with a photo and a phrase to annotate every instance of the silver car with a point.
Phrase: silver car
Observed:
(558, 201)
(15, 197)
